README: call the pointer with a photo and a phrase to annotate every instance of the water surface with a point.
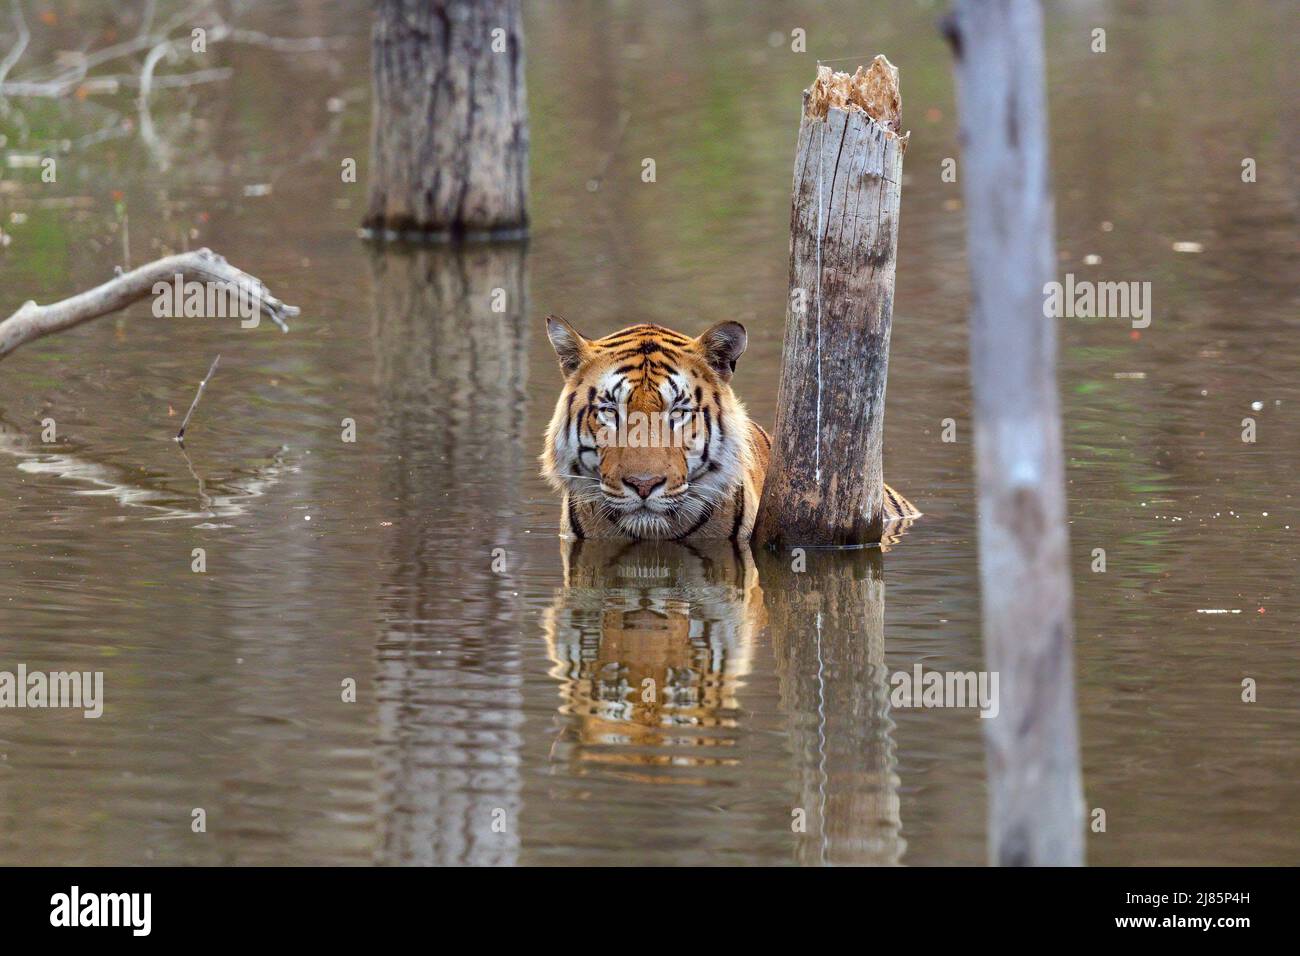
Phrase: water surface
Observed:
(499, 715)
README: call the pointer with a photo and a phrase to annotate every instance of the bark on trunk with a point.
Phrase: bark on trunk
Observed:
(449, 139)
(823, 485)
(1036, 803)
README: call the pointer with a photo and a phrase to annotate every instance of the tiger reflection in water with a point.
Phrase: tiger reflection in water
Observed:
(651, 641)
(704, 664)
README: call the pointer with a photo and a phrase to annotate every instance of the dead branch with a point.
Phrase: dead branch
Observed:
(279, 44)
(33, 321)
(114, 82)
(147, 133)
(68, 81)
(180, 435)
(16, 52)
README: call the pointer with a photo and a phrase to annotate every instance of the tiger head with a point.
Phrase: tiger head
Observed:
(647, 436)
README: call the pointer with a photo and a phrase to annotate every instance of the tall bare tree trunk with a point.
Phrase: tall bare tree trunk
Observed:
(824, 482)
(1036, 802)
(449, 140)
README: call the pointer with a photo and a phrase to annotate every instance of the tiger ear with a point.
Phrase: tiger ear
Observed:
(569, 344)
(722, 344)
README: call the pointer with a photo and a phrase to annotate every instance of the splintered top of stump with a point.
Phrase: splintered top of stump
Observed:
(873, 91)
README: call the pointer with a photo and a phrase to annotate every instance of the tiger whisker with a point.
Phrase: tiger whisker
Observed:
(712, 495)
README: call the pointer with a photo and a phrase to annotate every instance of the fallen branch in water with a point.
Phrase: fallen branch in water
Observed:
(180, 435)
(33, 321)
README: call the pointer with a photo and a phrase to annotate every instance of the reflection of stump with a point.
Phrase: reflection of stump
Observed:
(828, 633)
(650, 641)
(451, 379)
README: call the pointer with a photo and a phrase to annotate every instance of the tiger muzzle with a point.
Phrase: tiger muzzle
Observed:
(645, 485)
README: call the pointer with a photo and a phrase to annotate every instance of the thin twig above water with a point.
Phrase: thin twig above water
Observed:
(180, 435)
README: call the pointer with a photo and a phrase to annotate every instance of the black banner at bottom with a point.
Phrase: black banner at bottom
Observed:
(339, 905)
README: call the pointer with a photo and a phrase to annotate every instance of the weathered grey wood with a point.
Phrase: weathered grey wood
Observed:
(33, 321)
(824, 483)
(449, 137)
(1035, 794)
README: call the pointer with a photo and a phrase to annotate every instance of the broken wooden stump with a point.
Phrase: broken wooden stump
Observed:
(824, 483)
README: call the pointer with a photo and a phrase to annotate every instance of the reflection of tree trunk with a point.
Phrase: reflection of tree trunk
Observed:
(828, 633)
(449, 143)
(451, 378)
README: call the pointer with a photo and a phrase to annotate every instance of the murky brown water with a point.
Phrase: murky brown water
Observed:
(513, 697)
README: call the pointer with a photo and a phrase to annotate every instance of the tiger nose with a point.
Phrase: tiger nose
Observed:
(644, 485)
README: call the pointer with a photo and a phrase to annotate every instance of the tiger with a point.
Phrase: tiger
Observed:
(649, 442)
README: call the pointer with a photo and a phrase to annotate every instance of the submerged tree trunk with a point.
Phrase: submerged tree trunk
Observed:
(449, 141)
(824, 482)
(1036, 802)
